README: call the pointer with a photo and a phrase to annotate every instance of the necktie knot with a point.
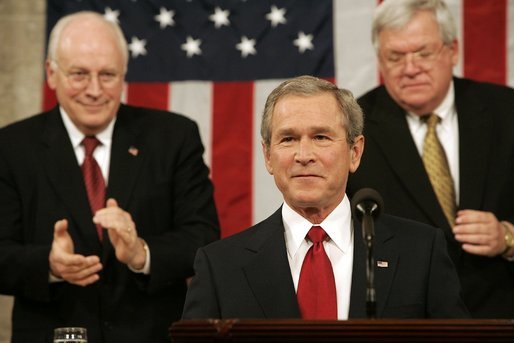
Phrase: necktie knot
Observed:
(431, 120)
(90, 143)
(316, 234)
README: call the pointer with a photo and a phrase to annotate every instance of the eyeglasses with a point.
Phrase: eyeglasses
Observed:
(80, 78)
(423, 58)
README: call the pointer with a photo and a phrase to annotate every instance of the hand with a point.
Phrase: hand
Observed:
(122, 233)
(65, 264)
(479, 232)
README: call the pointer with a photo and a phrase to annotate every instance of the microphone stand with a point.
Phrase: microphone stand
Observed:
(368, 234)
(366, 207)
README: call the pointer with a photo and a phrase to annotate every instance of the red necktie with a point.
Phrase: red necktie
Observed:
(317, 288)
(93, 179)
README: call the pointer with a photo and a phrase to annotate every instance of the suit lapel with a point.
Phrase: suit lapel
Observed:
(269, 274)
(475, 139)
(358, 289)
(127, 157)
(65, 177)
(389, 128)
(386, 256)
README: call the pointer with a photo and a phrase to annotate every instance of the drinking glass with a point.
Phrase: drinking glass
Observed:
(70, 335)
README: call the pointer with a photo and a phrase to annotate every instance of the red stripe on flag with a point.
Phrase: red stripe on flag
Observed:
(485, 40)
(148, 94)
(49, 97)
(232, 137)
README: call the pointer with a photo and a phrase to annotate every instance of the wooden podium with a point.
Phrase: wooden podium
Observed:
(199, 331)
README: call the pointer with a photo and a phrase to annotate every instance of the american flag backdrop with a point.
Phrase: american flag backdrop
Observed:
(217, 60)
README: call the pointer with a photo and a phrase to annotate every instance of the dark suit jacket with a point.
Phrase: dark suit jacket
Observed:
(247, 275)
(164, 184)
(392, 165)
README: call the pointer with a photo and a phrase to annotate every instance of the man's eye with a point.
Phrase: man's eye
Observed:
(394, 57)
(78, 74)
(425, 54)
(106, 75)
(320, 137)
(286, 139)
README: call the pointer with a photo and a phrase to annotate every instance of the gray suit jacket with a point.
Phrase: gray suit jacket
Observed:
(247, 275)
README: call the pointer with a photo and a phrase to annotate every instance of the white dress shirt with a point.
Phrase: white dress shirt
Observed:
(338, 226)
(102, 153)
(447, 132)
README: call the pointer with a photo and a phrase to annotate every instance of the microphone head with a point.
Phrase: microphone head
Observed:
(367, 200)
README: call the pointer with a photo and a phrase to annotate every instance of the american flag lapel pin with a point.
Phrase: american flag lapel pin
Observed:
(133, 151)
(382, 264)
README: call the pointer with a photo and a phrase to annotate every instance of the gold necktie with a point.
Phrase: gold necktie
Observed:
(437, 169)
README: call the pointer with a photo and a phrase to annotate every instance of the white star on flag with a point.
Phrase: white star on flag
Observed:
(220, 17)
(192, 46)
(165, 18)
(137, 47)
(246, 46)
(276, 16)
(304, 42)
(111, 15)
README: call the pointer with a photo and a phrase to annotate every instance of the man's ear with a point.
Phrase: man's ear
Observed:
(356, 151)
(267, 157)
(51, 75)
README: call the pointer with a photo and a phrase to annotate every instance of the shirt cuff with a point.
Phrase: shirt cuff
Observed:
(53, 279)
(146, 268)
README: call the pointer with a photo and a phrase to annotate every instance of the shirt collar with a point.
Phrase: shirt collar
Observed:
(76, 137)
(337, 225)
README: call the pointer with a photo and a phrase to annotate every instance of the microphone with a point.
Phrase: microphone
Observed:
(367, 204)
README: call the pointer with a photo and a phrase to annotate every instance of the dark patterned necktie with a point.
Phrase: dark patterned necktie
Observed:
(316, 292)
(438, 170)
(93, 179)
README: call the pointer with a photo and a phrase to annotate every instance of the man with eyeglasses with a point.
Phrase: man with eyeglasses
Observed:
(440, 149)
(102, 205)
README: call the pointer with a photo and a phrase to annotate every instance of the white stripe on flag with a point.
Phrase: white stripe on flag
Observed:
(194, 99)
(356, 66)
(266, 197)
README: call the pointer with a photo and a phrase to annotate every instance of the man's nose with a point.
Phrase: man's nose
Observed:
(305, 151)
(94, 86)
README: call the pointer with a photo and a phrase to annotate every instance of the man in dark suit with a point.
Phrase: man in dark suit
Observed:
(311, 134)
(417, 48)
(125, 282)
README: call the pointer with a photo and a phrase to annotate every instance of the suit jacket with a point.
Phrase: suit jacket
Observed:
(392, 165)
(156, 173)
(247, 275)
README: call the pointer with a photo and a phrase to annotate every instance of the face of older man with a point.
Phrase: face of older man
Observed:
(88, 74)
(416, 66)
(309, 155)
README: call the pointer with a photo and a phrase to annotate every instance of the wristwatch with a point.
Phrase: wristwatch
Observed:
(509, 241)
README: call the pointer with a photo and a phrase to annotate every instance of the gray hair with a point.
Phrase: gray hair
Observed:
(55, 35)
(396, 14)
(352, 117)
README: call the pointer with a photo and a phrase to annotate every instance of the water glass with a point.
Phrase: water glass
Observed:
(70, 335)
